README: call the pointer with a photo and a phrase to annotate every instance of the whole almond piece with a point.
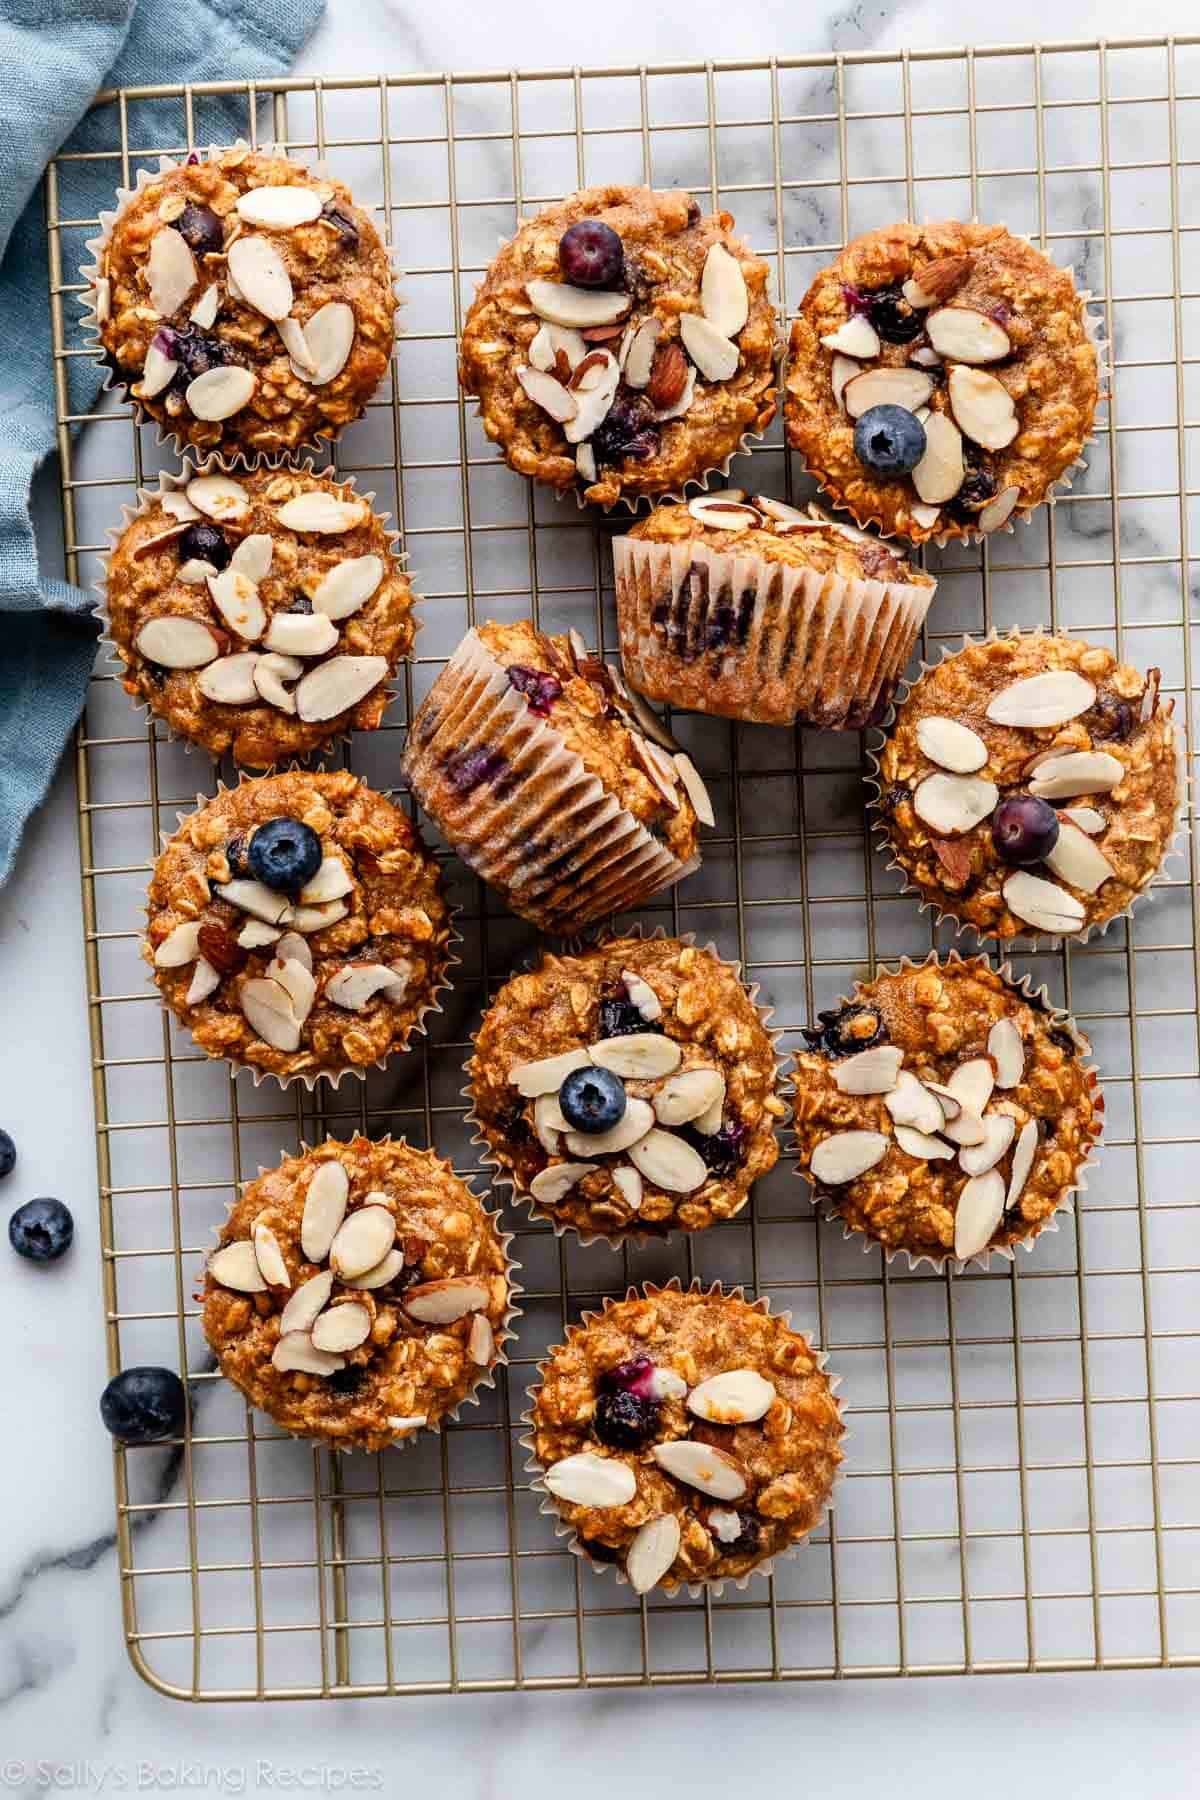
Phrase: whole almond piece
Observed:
(668, 376)
(936, 281)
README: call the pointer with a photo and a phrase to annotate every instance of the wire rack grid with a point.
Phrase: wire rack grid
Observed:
(1023, 1484)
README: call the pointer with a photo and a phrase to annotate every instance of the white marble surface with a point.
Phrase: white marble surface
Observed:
(67, 1694)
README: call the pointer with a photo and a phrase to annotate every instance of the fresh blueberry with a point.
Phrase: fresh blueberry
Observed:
(627, 432)
(201, 229)
(346, 228)
(1111, 718)
(889, 440)
(624, 1420)
(473, 768)
(208, 542)
(194, 350)
(591, 254)
(592, 1099)
(284, 854)
(893, 318)
(139, 1406)
(721, 1152)
(42, 1230)
(845, 1030)
(8, 1155)
(1024, 829)
(540, 690)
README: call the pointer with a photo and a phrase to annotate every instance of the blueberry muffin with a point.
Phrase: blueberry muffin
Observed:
(550, 782)
(945, 1109)
(941, 378)
(622, 344)
(629, 1089)
(689, 1438)
(260, 616)
(296, 924)
(754, 610)
(359, 1293)
(1030, 785)
(245, 304)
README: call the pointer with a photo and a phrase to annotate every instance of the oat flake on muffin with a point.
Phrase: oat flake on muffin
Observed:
(622, 344)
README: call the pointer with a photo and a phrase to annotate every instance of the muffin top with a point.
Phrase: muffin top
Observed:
(622, 344)
(976, 346)
(686, 1436)
(358, 1292)
(246, 304)
(260, 615)
(1030, 784)
(730, 523)
(629, 1088)
(942, 1110)
(296, 923)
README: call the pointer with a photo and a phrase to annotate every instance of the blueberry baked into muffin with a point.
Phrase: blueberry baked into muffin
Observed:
(261, 615)
(629, 1089)
(358, 1293)
(941, 378)
(622, 344)
(945, 1109)
(246, 304)
(1030, 784)
(688, 1438)
(296, 923)
(551, 781)
(754, 610)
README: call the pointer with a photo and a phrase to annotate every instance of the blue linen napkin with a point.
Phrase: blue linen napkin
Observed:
(54, 55)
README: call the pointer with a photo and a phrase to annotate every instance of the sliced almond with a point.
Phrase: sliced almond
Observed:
(668, 1162)
(178, 506)
(410, 1422)
(441, 1302)
(925, 358)
(219, 393)
(966, 335)
(723, 294)
(102, 291)
(847, 1155)
(262, 276)
(642, 995)
(383, 1272)
(696, 791)
(324, 1210)
(293, 948)
(1075, 858)
(576, 307)
(665, 1384)
(629, 1184)
(586, 1479)
(1038, 701)
(301, 634)
(633, 1124)
(170, 271)
(291, 336)
(481, 1341)
(236, 599)
(701, 1466)
(653, 1549)
(254, 935)
(548, 1074)
(548, 393)
(953, 804)
(936, 281)
(967, 1128)
(972, 1083)
(297, 1352)
(549, 340)
(270, 673)
(658, 766)
(857, 338)
(195, 571)
(638, 1056)
(1043, 904)
(236, 1266)
(982, 407)
(1076, 772)
(270, 1257)
(218, 497)
(950, 1104)
(280, 208)
(873, 1071)
(296, 979)
(723, 515)
(951, 745)
(267, 1008)
(1006, 1048)
(998, 1132)
(1022, 1163)
(922, 1145)
(549, 1125)
(939, 474)
(254, 555)
(309, 1300)
(640, 357)
(329, 336)
(842, 370)
(685, 1096)
(735, 1397)
(335, 686)
(180, 946)
(149, 545)
(158, 371)
(998, 511)
(909, 388)
(362, 1241)
(911, 1103)
(331, 881)
(342, 1327)
(554, 1183)
(356, 985)
(320, 511)
(585, 462)
(205, 981)
(348, 586)
(1087, 819)
(708, 1123)
(713, 354)
(177, 643)
(257, 899)
(978, 1212)
(596, 386)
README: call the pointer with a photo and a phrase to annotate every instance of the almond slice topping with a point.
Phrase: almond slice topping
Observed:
(1076, 772)
(920, 1144)
(967, 336)
(642, 995)
(911, 1103)
(549, 340)
(205, 981)
(874, 1071)
(723, 515)
(909, 388)
(939, 474)
(638, 1056)
(554, 1183)
(549, 394)
(261, 274)
(236, 599)
(281, 208)
(362, 1241)
(857, 338)
(1007, 1050)
(254, 555)
(998, 511)
(268, 1010)
(983, 407)
(180, 946)
(301, 634)
(847, 1155)
(348, 586)
(1043, 904)
(158, 371)
(324, 1209)
(998, 1132)
(309, 1300)
(269, 1256)
(177, 643)
(576, 307)
(319, 511)
(735, 1397)
(696, 791)
(978, 1212)
(219, 393)
(633, 1125)
(668, 1162)
(548, 1074)
(590, 1480)
(951, 745)
(382, 1273)
(343, 1327)
(442, 1302)
(335, 686)
(1022, 1163)
(953, 804)
(701, 1466)
(270, 673)
(297, 1351)
(481, 1341)
(218, 497)
(1075, 858)
(713, 354)
(329, 337)
(685, 1096)
(170, 271)
(1038, 701)
(236, 1266)
(723, 295)
(640, 357)
(843, 369)
(1087, 819)
(654, 1548)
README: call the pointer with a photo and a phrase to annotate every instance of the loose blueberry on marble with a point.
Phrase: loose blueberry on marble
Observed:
(591, 254)
(623, 1419)
(201, 229)
(41, 1230)
(540, 689)
(8, 1155)
(141, 1405)
(1024, 830)
(889, 440)
(592, 1100)
(284, 854)
(206, 542)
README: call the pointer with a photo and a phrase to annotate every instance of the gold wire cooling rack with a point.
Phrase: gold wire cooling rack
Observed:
(1023, 1490)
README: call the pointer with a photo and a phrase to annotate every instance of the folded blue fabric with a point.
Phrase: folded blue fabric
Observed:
(54, 55)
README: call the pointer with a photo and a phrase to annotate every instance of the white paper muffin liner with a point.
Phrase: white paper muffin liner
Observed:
(95, 301)
(1056, 1018)
(630, 1236)
(486, 1378)
(172, 482)
(517, 833)
(943, 915)
(548, 1506)
(818, 648)
(333, 1077)
(1093, 325)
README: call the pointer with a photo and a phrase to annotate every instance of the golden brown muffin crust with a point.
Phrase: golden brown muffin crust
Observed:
(824, 546)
